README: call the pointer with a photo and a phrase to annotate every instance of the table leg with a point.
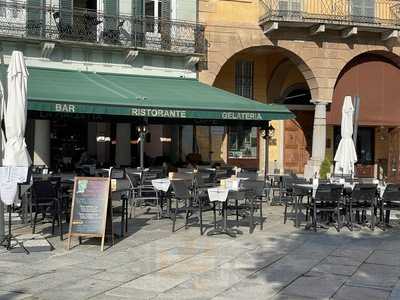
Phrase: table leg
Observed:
(224, 230)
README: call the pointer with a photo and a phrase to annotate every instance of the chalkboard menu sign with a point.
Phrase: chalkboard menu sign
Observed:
(89, 208)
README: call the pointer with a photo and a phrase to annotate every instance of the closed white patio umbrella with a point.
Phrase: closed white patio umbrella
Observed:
(2, 142)
(15, 115)
(346, 155)
(16, 160)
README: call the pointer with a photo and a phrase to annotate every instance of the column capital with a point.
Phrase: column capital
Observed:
(320, 102)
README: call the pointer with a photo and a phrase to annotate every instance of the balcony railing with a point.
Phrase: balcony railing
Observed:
(378, 13)
(51, 23)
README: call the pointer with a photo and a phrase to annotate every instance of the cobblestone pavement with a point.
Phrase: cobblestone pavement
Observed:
(280, 262)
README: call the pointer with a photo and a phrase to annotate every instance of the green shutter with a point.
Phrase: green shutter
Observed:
(111, 14)
(369, 8)
(138, 7)
(34, 18)
(363, 10)
(166, 9)
(66, 9)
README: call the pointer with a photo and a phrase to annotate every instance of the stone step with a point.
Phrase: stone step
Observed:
(32, 242)
(15, 219)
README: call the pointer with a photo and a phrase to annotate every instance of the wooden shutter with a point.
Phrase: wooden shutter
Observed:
(111, 13)
(369, 8)
(166, 9)
(66, 9)
(138, 8)
(35, 17)
(357, 8)
(295, 6)
(283, 7)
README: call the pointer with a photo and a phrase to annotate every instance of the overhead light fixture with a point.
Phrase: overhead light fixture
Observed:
(103, 139)
(165, 139)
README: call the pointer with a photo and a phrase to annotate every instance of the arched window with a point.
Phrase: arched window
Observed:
(298, 97)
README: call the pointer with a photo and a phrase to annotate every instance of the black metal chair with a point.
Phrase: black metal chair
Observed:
(143, 192)
(290, 195)
(191, 204)
(134, 183)
(390, 201)
(46, 200)
(248, 175)
(328, 199)
(362, 198)
(254, 192)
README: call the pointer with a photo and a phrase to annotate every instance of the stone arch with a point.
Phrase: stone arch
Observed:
(275, 91)
(385, 55)
(224, 55)
(372, 76)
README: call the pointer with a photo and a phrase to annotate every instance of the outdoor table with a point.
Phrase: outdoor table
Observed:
(124, 205)
(222, 194)
(162, 186)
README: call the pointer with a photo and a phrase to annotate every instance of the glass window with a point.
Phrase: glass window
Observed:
(243, 142)
(244, 79)
(363, 10)
(150, 8)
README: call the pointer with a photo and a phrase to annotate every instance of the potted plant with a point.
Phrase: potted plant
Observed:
(325, 168)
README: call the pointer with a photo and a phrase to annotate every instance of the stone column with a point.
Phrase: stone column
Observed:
(123, 147)
(319, 139)
(41, 155)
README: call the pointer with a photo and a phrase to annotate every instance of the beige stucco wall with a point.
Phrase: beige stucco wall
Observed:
(265, 64)
(232, 26)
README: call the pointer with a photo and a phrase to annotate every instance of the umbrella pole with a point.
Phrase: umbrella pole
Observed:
(2, 224)
(6, 241)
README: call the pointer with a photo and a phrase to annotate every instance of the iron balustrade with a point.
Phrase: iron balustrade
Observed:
(81, 25)
(376, 13)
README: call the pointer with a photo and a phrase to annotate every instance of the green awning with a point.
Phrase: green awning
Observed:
(66, 91)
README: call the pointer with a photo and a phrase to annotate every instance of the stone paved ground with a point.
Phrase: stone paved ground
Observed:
(280, 262)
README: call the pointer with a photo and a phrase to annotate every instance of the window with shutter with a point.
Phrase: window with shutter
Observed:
(138, 7)
(363, 10)
(370, 8)
(66, 10)
(283, 7)
(166, 9)
(289, 8)
(244, 79)
(111, 12)
(35, 17)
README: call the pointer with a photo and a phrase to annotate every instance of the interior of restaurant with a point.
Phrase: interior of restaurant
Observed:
(105, 142)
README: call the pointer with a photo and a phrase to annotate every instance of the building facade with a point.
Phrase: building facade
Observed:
(308, 54)
(160, 38)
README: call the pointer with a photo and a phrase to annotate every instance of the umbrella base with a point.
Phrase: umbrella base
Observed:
(9, 245)
(9, 238)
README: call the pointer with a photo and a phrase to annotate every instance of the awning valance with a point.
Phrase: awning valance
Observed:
(66, 91)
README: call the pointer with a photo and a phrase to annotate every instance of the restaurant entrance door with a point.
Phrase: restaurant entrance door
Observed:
(394, 156)
(298, 141)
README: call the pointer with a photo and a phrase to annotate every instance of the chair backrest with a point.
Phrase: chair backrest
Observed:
(180, 189)
(364, 193)
(149, 175)
(134, 179)
(392, 193)
(329, 193)
(255, 186)
(117, 173)
(44, 190)
(289, 181)
(249, 175)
